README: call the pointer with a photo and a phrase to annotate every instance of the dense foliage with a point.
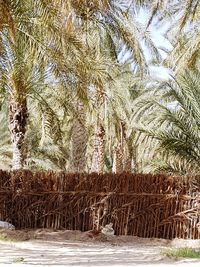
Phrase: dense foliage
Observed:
(77, 92)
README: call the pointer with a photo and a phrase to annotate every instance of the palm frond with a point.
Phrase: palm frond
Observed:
(172, 121)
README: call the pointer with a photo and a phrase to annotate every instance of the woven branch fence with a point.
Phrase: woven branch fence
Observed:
(139, 205)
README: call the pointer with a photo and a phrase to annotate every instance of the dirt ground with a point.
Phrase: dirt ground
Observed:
(73, 248)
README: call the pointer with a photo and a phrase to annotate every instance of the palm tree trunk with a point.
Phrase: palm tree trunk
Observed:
(98, 153)
(128, 160)
(79, 141)
(134, 164)
(18, 115)
(131, 159)
(98, 156)
(118, 159)
(119, 150)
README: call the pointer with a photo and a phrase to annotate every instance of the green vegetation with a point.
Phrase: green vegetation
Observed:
(77, 92)
(18, 260)
(4, 237)
(172, 125)
(182, 253)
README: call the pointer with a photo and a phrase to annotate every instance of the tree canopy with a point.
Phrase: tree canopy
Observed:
(77, 92)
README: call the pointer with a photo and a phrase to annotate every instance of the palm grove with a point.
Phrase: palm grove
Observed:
(76, 93)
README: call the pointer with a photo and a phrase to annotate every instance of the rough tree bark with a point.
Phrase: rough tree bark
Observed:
(118, 159)
(18, 115)
(79, 141)
(98, 156)
(119, 150)
(128, 163)
(98, 152)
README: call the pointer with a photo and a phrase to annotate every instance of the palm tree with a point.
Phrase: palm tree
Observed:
(30, 45)
(116, 22)
(21, 28)
(170, 119)
(79, 139)
(14, 73)
(185, 54)
(102, 22)
(183, 34)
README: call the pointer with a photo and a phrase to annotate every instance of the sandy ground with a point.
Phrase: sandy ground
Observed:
(73, 248)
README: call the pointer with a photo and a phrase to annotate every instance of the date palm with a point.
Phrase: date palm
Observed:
(21, 26)
(170, 119)
(16, 77)
(30, 30)
(111, 20)
(183, 17)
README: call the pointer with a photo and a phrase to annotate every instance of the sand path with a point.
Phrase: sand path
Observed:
(124, 251)
(49, 253)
